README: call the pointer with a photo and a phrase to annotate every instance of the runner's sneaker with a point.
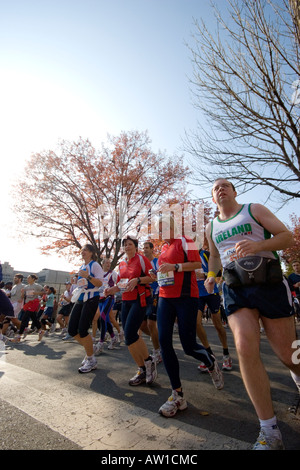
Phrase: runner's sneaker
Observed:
(227, 363)
(151, 372)
(88, 365)
(98, 348)
(139, 377)
(121, 337)
(202, 367)
(265, 442)
(5, 339)
(174, 403)
(10, 333)
(41, 334)
(17, 339)
(157, 356)
(113, 342)
(26, 332)
(68, 336)
(216, 376)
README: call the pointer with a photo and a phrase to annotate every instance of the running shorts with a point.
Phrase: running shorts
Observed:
(213, 302)
(151, 308)
(272, 301)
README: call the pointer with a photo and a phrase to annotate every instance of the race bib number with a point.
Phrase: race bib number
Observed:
(165, 279)
(103, 287)
(82, 282)
(231, 255)
(122, 284)
(200, 275)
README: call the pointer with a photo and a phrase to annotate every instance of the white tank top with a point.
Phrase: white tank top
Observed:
(242, 226)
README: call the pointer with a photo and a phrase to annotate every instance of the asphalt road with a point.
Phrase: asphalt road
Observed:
(47, 405)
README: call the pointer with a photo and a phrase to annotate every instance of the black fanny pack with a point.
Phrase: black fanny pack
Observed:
(252, 270)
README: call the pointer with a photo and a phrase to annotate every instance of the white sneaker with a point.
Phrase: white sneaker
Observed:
(202, 367)
(138, 378)
(26, 332)
(10, 333)
(217, 376)
(67, 337)
(98, 348)
(157, 356)
(5, 339)
(113, 342)
(16, 339)
(41, 334)
(151, 372)
(88, 365)
(174, 403)
(121, 337)
(265, 442)
(227, 363)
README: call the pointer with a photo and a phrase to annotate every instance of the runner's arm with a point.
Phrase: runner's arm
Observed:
(188, 266)
(214, 262)
(282, 237)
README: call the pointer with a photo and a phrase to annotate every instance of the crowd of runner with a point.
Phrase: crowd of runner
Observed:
(153, 295)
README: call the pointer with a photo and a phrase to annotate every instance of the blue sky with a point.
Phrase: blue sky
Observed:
(89, 68)
(124, 63)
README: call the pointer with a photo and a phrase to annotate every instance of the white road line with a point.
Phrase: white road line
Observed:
(97, 422)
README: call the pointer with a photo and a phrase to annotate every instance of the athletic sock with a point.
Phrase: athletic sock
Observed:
(270, 427)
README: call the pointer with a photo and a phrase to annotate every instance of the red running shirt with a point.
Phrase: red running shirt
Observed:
(180, 250)
(131, 268)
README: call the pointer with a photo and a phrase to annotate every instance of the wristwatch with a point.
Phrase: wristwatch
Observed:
(89, 277)
(176, 267)
(139, 280)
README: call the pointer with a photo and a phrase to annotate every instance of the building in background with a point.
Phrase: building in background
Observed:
(50, 277)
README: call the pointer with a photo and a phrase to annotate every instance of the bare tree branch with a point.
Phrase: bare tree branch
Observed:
(246, 86)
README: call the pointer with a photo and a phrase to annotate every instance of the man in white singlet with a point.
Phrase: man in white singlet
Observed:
(242, 231)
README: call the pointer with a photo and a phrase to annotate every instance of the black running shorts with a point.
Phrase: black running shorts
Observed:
(272, 301)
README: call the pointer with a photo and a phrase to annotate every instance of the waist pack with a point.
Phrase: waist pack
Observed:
(252, 270)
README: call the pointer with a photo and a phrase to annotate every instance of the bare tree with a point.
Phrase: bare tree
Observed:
(246, 84)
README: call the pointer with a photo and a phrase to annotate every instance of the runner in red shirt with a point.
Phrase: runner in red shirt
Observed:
(178, 298)
(133, 280)
(180, 250)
